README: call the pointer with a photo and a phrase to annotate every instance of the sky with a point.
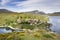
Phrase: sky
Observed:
(47, 6)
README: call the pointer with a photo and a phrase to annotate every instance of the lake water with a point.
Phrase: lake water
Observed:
(4, 30)
(55, 21)
(9, 30)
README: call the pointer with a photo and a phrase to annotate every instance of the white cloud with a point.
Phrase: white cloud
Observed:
(3, 2)
(42, 5)
(28, 5)
(28, 2)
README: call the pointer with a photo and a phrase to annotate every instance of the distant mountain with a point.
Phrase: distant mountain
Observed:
(54, 14)
(42, 12)
(5, 10)
(35, 12)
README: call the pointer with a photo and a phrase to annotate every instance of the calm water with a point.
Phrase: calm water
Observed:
(55, 20)
(5, 31)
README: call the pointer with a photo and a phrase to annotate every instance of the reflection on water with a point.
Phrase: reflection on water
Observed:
(55, 20)
(4, 30)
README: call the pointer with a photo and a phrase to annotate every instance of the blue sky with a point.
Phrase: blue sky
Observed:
(47, 6)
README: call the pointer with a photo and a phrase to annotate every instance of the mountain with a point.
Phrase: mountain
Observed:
(5, 10)
(42, 12)
(35, 12)
(54, 14)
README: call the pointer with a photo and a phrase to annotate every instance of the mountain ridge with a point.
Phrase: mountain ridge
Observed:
(5, 10)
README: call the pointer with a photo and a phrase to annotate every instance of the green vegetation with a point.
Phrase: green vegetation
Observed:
(35, 26)
(10, 19)
(29, 36)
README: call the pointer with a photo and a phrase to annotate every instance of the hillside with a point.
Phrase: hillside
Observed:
(35, 12)
(54, 14)
(14, 16)
(26, 35)
(5, 10)
(33, 25)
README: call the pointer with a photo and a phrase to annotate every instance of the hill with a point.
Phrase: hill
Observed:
(35, 12)
(54, 14)
(5, 10)
(17, 20)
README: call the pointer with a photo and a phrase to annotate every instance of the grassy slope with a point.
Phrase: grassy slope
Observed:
(40, 35)
(6, 17)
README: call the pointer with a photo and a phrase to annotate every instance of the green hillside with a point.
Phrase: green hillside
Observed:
(35, 26)
(11, 18)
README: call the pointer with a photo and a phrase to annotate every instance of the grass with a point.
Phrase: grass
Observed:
(41, 34)
(48, 36)
(11, 18)
(28, 36)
